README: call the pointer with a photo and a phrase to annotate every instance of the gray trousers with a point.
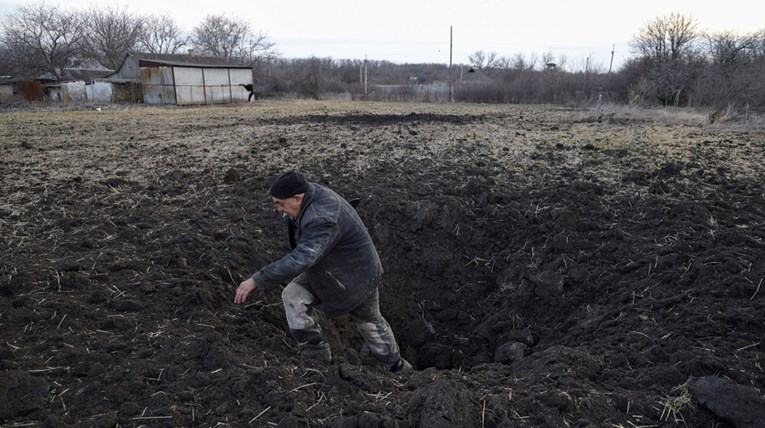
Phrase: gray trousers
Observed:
(305, 328)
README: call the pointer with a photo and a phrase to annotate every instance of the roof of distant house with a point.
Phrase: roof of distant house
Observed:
(78, 74)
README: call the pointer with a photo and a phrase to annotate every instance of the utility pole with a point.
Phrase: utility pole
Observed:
(451, 91)
(587, 79)
(612, 58)
(365, 77)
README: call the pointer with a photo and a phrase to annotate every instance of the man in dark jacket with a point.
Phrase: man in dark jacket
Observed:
(333, 262)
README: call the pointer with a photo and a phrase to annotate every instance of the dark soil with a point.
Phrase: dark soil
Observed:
(543, 268)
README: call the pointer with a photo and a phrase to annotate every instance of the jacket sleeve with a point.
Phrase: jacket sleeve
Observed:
(317, 239)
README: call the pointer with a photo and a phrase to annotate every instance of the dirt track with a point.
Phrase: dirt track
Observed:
(545, 267)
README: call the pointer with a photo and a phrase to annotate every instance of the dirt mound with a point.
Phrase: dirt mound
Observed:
(542, 269)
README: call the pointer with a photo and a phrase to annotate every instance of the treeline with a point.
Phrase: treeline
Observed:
(674, 63)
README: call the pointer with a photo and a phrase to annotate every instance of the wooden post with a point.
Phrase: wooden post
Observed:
(451, 91)
(365, 78)
(587, 79)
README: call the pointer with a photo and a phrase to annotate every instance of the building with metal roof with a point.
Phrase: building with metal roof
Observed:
(184, 79)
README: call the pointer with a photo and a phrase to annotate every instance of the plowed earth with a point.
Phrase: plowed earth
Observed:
(545, 267)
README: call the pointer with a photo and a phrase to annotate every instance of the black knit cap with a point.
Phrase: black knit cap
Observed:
(288, 184)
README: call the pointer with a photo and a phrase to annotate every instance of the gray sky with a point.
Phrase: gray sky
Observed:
(418, 31)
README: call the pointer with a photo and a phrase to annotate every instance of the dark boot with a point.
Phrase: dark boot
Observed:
(318, 352)
(402, 366)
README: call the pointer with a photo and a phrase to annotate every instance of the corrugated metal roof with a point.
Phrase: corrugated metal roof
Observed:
(85, 74)
(155, 63)
(133, 62)
(185, 60)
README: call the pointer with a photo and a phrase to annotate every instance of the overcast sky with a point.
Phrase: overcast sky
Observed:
(419, 31)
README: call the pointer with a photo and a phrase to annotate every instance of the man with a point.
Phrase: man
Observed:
(333, 262)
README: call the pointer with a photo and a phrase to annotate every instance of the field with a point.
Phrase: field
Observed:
(544, 266)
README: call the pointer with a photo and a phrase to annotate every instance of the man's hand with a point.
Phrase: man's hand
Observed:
(244, 290)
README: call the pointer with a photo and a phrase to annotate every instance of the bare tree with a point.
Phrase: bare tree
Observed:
(490, 63)
(667, 38)
(520, 62)
(257, 49)
(668, 56)
(112, 33)
(6, 68)
(41, 38)
(758, 46)
(315, 76)
(503, 63)
(758, 54)
(478, 59)
(733, 75)
(161, 35)
(233, 39)
(729, 48)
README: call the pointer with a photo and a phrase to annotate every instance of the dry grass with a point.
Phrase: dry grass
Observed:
(675, 403)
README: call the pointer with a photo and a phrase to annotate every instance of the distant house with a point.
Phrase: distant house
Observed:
(184, 79)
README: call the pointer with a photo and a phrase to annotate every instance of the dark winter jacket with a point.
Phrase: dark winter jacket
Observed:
(334, 250)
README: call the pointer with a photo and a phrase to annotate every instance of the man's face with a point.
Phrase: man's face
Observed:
(289, 206)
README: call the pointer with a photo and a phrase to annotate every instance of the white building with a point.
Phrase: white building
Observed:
(184, 79)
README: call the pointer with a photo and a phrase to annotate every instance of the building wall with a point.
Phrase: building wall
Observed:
(30, 90)
(6, 92)
(217, 85)
(158, 85)
(73, 92)
(168, 82)
(80, 92)
(99, 91)
(238, 78)
(194, 85)
(127, 92)
(189, 85)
